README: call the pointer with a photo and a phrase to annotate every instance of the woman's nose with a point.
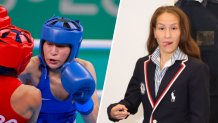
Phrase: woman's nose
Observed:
(54, 50)
(167, 33)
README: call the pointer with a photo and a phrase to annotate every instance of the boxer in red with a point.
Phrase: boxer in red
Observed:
(19, 103)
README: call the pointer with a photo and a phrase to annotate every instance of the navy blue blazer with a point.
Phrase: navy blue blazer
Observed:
(183, 95)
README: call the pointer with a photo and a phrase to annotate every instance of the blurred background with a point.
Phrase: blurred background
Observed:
(97, 17)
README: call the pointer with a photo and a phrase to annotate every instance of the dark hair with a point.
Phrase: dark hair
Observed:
(186, 44)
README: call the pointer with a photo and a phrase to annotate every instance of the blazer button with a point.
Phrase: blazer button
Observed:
(154, 121)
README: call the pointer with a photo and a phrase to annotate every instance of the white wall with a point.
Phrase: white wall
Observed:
(129, 43)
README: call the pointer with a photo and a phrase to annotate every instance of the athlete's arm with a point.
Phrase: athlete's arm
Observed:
(26, 75)
(35, 104)
(92, 117)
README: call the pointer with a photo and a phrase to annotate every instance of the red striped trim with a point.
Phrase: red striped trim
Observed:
(146, 82)
(170, 84)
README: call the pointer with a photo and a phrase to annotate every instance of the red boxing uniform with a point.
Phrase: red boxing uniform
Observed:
(7, 86)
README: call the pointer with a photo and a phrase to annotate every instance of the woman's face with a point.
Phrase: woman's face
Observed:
(55, 55)
(167, 33)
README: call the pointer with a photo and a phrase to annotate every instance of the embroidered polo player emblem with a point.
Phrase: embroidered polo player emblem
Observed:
(173, 97)
(142, 87)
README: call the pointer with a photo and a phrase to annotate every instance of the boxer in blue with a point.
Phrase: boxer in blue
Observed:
(67, 83)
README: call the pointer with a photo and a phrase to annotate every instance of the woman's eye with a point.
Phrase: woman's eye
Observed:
(174, 28)
(160, 28)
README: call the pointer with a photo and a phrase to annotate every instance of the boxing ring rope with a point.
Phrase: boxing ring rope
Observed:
(87, 44)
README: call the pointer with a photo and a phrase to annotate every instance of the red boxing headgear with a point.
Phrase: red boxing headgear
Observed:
(16, 47)
(5, 20)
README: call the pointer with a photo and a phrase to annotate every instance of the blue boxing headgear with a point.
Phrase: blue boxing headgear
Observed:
(62, 31)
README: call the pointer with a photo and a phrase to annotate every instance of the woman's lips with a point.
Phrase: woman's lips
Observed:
(167, 43)
(52, 61)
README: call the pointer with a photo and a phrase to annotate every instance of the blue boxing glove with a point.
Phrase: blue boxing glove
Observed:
(78, 82)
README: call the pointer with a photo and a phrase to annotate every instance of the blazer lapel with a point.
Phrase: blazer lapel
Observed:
(149, 71)
(169, 75)
(168, 84)
(168, 80)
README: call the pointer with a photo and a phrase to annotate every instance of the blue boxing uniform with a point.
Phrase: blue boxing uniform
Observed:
(76, 80)
(53, 110)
